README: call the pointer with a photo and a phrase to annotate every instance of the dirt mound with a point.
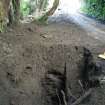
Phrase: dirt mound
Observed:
(23, 70)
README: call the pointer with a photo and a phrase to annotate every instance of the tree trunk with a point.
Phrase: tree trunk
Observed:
(16, 11)
(50, 12)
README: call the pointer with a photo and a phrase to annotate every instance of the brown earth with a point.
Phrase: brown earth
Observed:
(29, 51)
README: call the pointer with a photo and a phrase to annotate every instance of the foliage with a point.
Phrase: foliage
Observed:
(44, 18)
(94, 8)
(30, 6)
(24, 8)
(39, 10)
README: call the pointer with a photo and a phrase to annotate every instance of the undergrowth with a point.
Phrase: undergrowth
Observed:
(94, 8)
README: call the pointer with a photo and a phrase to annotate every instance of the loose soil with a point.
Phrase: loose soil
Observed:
(29, 51)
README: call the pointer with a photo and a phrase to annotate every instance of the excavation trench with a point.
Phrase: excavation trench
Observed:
(45, 75)
(70, 71)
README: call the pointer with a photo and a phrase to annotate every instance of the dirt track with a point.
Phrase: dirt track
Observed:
(28, 51)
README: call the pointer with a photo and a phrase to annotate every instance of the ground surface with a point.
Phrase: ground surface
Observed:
(24, 51)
